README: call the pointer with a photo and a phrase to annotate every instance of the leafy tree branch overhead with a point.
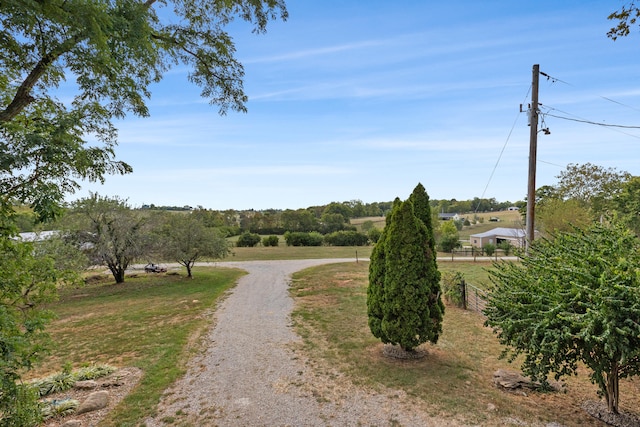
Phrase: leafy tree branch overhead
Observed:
(113, 51)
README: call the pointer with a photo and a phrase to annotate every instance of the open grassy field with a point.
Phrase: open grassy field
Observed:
(298, 252)
(455, 379)
(507, 219)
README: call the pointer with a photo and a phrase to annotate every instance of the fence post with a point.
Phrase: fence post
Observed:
(463, 293)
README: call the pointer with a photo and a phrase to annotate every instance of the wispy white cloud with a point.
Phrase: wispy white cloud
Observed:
(246, 172)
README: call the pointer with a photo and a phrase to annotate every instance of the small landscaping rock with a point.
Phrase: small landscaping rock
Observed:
(512, 381)
(85, 385)
(96, 400)
(72, 423)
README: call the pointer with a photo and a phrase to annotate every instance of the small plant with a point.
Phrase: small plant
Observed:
(58, 408)
(54, 383)
(506, 246)
(65, 379)
(489, 249)
(93, 371)
(450, 282)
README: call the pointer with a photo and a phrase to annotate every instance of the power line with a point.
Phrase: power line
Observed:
(619, 103)
(555, 79)
(592, 123)
(549, 163)
(504, 146)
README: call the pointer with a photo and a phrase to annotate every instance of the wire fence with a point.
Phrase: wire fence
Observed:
(473, 298)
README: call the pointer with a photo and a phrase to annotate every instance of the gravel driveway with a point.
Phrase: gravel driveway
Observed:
(251, 375)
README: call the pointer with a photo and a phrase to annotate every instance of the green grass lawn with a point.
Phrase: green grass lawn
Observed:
(155, 322)
(284, 252)
(454, 380)
(152, 322)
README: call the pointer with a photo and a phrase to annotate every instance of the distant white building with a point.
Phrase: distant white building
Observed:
(515, 236)
(38, 236)
(449, 216)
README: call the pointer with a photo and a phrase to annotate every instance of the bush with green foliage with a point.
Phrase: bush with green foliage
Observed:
(367, 225)
(248, 240)
(374, 234)
(449, 236)
(572, 300)
(27, 283)
(489, 249)
(404, 298)
(506, 247)
(346, 238)
(270, 241)
(450, 283)
(300, 238)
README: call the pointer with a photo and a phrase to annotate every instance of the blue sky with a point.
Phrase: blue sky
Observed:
(362, 100)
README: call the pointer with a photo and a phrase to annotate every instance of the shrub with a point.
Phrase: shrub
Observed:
(270, 241)
(489, 249)
(248, 240)
(346, 238)
(506, 246)
(450, 283)
(367, 225)
(299, 238)
(374, 234)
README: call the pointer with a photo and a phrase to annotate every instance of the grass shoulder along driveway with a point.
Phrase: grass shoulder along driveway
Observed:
(153, 322)
(454, 380)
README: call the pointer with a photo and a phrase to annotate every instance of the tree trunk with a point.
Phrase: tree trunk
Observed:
(119, 276)
(188, 264)
(613, 391)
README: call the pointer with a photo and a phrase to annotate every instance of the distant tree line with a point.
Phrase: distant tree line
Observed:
(323, 219)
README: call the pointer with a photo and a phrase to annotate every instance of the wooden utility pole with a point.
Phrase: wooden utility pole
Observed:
(533, 148)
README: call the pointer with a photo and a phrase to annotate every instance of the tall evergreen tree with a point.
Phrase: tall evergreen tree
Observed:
(403, 298)
(375, 291)
(422, 209)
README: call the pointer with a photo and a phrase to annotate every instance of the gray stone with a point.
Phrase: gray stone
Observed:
(512, 381)
(72, 423)
(96, 400)
(85, 385)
